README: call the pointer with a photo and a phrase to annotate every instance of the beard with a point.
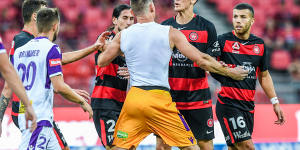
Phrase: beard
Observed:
(55, 36)
(245, 29)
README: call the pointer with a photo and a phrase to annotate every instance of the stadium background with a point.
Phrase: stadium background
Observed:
(277, 22)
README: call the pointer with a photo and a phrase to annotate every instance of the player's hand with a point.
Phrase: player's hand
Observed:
(123, 71)
(101, 40)
(87, 108)
(280, 117)
(223, 64)
(83, 94)
(30, 115)
(238, 73)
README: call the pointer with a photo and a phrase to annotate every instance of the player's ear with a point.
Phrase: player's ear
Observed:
(193, 2)
(151, 7)
(33, 17)
(55, 26)
(114, 20)
(252, 21)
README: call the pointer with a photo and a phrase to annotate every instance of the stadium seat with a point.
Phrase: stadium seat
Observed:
(280, 60)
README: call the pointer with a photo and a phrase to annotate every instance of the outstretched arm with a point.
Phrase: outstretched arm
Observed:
(266, 83)
(204, 61)
(110, 52)
(70, 57)
(14, 82)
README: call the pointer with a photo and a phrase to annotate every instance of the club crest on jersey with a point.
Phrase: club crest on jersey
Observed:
(193, 36)
(256, 49)
(54, 62)
(210, 122)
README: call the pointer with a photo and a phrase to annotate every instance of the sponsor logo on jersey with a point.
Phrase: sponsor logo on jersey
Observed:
(191, 139)
(240, 135)
(55, 62)
(177, 55)
(256, 49)
(193, 36)
(122, 135)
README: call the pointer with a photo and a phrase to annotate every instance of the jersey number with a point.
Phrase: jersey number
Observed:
(28, 73)
(239, 122)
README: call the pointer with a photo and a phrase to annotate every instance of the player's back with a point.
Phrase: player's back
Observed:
(147, 52)
(32, 61)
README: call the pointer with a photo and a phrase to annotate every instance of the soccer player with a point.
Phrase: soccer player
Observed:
(29, 11)
(188, 82)
(13, 81)
(110, 88)
(148, 107)
(235, 105)
(39, 64)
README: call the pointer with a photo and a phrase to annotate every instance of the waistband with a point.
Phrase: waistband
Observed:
(147, 88)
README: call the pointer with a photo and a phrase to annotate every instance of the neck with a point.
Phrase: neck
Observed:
(116, 30)
(48, 35)
(31, 28)
(144, 18)
(184, 17)
(244, 36)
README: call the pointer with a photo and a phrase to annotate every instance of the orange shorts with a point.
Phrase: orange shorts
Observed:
(152, 111)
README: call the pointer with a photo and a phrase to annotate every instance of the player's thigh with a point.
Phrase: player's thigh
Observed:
(105, 121)
(171, 126)
(201, 122)
(40, 139)
(235, 124)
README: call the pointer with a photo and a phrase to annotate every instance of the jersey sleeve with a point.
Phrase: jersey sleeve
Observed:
(2, 49)
(221, 43)
(54, 62)
(264, 63)
(213, 46)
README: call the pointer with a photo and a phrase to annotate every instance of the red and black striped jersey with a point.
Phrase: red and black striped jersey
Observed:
(19, 40)
(188, 82)
(251, 54)
(110, 88)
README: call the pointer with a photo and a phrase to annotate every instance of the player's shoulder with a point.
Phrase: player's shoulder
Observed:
(256, 39)
(202, 20)
(226, 36)
(168, 21)
(21, 39)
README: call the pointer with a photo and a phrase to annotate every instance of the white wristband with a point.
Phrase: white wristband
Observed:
(274, 100)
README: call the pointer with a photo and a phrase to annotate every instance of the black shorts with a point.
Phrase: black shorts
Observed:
(237, 125)
(105, 121)
(201, 122)
(61, 140)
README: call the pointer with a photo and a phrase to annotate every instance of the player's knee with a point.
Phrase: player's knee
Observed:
(245, 146)
(163, 146)
(206, 144)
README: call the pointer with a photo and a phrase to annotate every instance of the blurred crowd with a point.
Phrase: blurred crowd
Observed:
(277, 21)
(82, 21)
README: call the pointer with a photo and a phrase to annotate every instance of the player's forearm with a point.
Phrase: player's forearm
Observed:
(7, 92)
(70, 57)
(266, 83)
(4, 101)
(15, 84)
(208, 63)
(65, 91)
